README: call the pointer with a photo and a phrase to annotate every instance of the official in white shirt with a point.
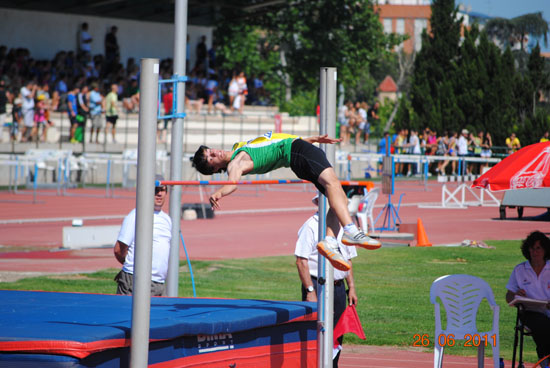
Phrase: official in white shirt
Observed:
(125, 247)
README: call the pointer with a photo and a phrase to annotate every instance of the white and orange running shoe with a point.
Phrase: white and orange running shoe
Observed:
(359, 239)
(330, 251)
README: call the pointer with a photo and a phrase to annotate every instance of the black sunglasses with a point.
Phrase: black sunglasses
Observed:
(159, 189)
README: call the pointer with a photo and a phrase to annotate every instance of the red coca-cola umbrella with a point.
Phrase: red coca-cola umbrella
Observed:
(527, 168)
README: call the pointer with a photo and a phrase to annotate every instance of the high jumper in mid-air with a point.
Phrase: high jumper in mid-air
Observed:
(275, 150)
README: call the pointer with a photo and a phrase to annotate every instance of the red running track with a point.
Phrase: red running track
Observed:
(249, 224)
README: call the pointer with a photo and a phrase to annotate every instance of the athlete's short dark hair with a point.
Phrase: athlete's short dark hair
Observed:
(200, 163)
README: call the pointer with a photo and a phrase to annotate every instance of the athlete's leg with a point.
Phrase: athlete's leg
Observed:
(336, 197)
(333, 225)
(339, 203)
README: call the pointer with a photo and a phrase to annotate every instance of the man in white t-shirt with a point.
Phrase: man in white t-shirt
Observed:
(84, 41)
(27, 109)
(462, 143)
(413, 149)
(125, 247)
(462, 148)
(306, 262)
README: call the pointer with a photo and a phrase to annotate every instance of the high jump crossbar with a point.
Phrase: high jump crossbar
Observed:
(367, 184)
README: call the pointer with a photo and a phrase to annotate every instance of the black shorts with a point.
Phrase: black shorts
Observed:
(112, 119)
(308, 162)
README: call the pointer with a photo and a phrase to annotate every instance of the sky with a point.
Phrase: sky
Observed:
(511, 9)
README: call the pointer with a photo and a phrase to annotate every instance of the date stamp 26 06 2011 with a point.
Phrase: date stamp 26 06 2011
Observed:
(472, 340)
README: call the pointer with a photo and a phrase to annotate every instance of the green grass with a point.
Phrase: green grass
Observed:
(393, 286)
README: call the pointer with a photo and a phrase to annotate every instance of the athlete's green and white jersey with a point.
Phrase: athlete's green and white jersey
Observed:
(268, 152)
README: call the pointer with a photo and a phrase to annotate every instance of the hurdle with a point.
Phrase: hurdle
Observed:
(456, 199)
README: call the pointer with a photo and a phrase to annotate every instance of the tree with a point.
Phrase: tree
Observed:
(345, 34)
(510, 31)
(539, 78)
(406, 63)
(432, 89)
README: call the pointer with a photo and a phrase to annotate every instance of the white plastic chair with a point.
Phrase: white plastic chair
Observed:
(353, 204)
(366, 208)
(461, 296)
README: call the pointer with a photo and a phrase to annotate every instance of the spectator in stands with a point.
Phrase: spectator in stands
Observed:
(131, 96)
(125, 247)
(72, 110)
(372, 114)
(40, 119)
(233, 89)
(84, 43)
(211, 55)
(362, 120)
(365, 124)
(97, 106)
(545, 137)
(430, 147)
(413, 149)
(486, 152)
(17, 118)
(3, 103)
(211, 91)
(399, 144)
(27, 109)
(83, 108)
(462, 149)
(219, 106)
(61, 86)
(44, 90)
(111, 46)
(453, 137)
(476, 141)
(343, 119)
(442, 150)
(512, 142)
(162, 125)
(193, 103)
(259, 89)
(111, 111)
(383, 143)
(355, 121)
(474, 149)
(431, 141)
(238, 104)
(201, 52)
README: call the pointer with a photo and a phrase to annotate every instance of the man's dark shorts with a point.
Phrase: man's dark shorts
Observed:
(308, 162)
(112, 119)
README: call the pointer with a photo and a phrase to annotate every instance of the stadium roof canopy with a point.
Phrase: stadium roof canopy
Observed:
(200, 12)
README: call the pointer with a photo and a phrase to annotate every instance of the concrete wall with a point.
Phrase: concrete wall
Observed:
(44, 34)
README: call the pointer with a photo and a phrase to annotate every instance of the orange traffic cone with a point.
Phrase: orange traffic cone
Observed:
(421, 237)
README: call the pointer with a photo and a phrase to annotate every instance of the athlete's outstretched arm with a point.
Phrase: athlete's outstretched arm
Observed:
(322, 139)
(239, 166)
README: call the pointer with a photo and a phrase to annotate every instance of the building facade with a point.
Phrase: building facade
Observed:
(409, 17)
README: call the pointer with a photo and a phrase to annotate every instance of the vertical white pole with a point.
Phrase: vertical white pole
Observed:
(145, 206)
(325, 303)
(176, 149)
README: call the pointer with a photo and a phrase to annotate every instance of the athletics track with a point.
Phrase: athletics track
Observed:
(31, 235)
